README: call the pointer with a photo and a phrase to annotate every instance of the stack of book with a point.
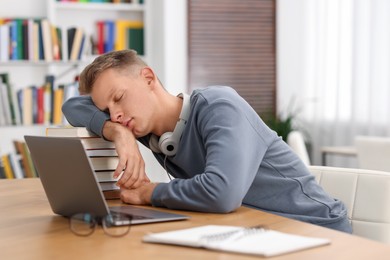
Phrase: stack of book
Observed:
(102, 155)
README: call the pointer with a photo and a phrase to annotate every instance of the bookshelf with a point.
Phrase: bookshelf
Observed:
(25, 73)
(165, 42)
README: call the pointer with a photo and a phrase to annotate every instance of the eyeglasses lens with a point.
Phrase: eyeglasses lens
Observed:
(82, 224)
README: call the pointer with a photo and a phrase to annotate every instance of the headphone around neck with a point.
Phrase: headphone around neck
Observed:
(168, 143)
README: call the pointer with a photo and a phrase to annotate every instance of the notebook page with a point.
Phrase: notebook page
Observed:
(267, 243)
(188, 237)
(237, 240)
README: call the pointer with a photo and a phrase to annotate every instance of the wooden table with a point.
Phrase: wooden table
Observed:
(29, 230)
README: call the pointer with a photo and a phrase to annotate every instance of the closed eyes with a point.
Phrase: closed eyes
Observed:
(118, 98)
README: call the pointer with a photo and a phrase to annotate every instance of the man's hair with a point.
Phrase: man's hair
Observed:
(124, 61)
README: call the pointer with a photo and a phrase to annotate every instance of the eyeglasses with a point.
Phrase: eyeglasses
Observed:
(115, 225)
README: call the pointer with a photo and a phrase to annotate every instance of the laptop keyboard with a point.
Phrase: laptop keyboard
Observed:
(139, 217)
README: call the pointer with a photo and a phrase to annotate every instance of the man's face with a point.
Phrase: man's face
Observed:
(126, 97)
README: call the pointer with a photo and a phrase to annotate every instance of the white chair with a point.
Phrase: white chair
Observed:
(297, 143)
(373, 152)
(365, 193)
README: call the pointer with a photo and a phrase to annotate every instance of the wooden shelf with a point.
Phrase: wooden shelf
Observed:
(38, 63)
(99, 6)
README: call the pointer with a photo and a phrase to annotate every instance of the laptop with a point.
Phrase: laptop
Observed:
(71, 186)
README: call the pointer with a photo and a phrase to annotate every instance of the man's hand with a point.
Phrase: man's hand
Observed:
(139, 196)
(130, 159)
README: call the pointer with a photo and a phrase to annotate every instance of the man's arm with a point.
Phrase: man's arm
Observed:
(81, 111)
(234, 151)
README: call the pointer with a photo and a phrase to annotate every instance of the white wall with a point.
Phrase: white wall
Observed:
(23, 8)
(169, 49)
(290, 46)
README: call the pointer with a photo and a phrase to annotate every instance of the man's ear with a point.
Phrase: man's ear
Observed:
(148, 74)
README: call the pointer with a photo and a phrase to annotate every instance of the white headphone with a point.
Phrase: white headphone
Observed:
(168, 143)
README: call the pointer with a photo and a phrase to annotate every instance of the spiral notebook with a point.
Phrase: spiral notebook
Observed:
(254, 240)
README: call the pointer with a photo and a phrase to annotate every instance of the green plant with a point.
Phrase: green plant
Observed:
(285, 122)
(281, 126)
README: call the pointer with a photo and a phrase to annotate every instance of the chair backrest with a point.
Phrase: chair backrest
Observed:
(373, 152)
(297, 143)
(365, 193)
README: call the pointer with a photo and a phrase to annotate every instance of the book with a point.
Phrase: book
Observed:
(106, 176)
(111, 194)
(104, 163)
(47, 40)
(14, 40)
(70, 32)
(100, 37)
(253, 241)
(7, 167)
(5, 42)
(135, 40)
(2, 171)
(109, 186)
(4, 78)
(121, 30)
(21, 148)
(101, 152)
(7, 118)
(109, 36)
(58, 100)
(96, 143)
(76, 44)
(2, 109)
(27, 106)
(47, 98)
(16, 165)
(69, 131)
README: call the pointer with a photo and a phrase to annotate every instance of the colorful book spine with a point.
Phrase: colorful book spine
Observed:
(7, 167)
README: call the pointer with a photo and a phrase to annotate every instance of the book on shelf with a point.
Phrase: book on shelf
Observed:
(34, 104)
(12, 167)
(27, 164)
(121, 30)
(10, 94)
(135, 40)
(47, 40)
(16, 165)
(8, 172)
(27, 106)
(110, 36)
(49, 87)
(5, 105)
(5, 42)
(77, 44)
(2, 172)
(253, 241)
(99, 37)
(32, 39)
(57, 104)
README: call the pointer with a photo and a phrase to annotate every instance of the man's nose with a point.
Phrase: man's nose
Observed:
(116, 116)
